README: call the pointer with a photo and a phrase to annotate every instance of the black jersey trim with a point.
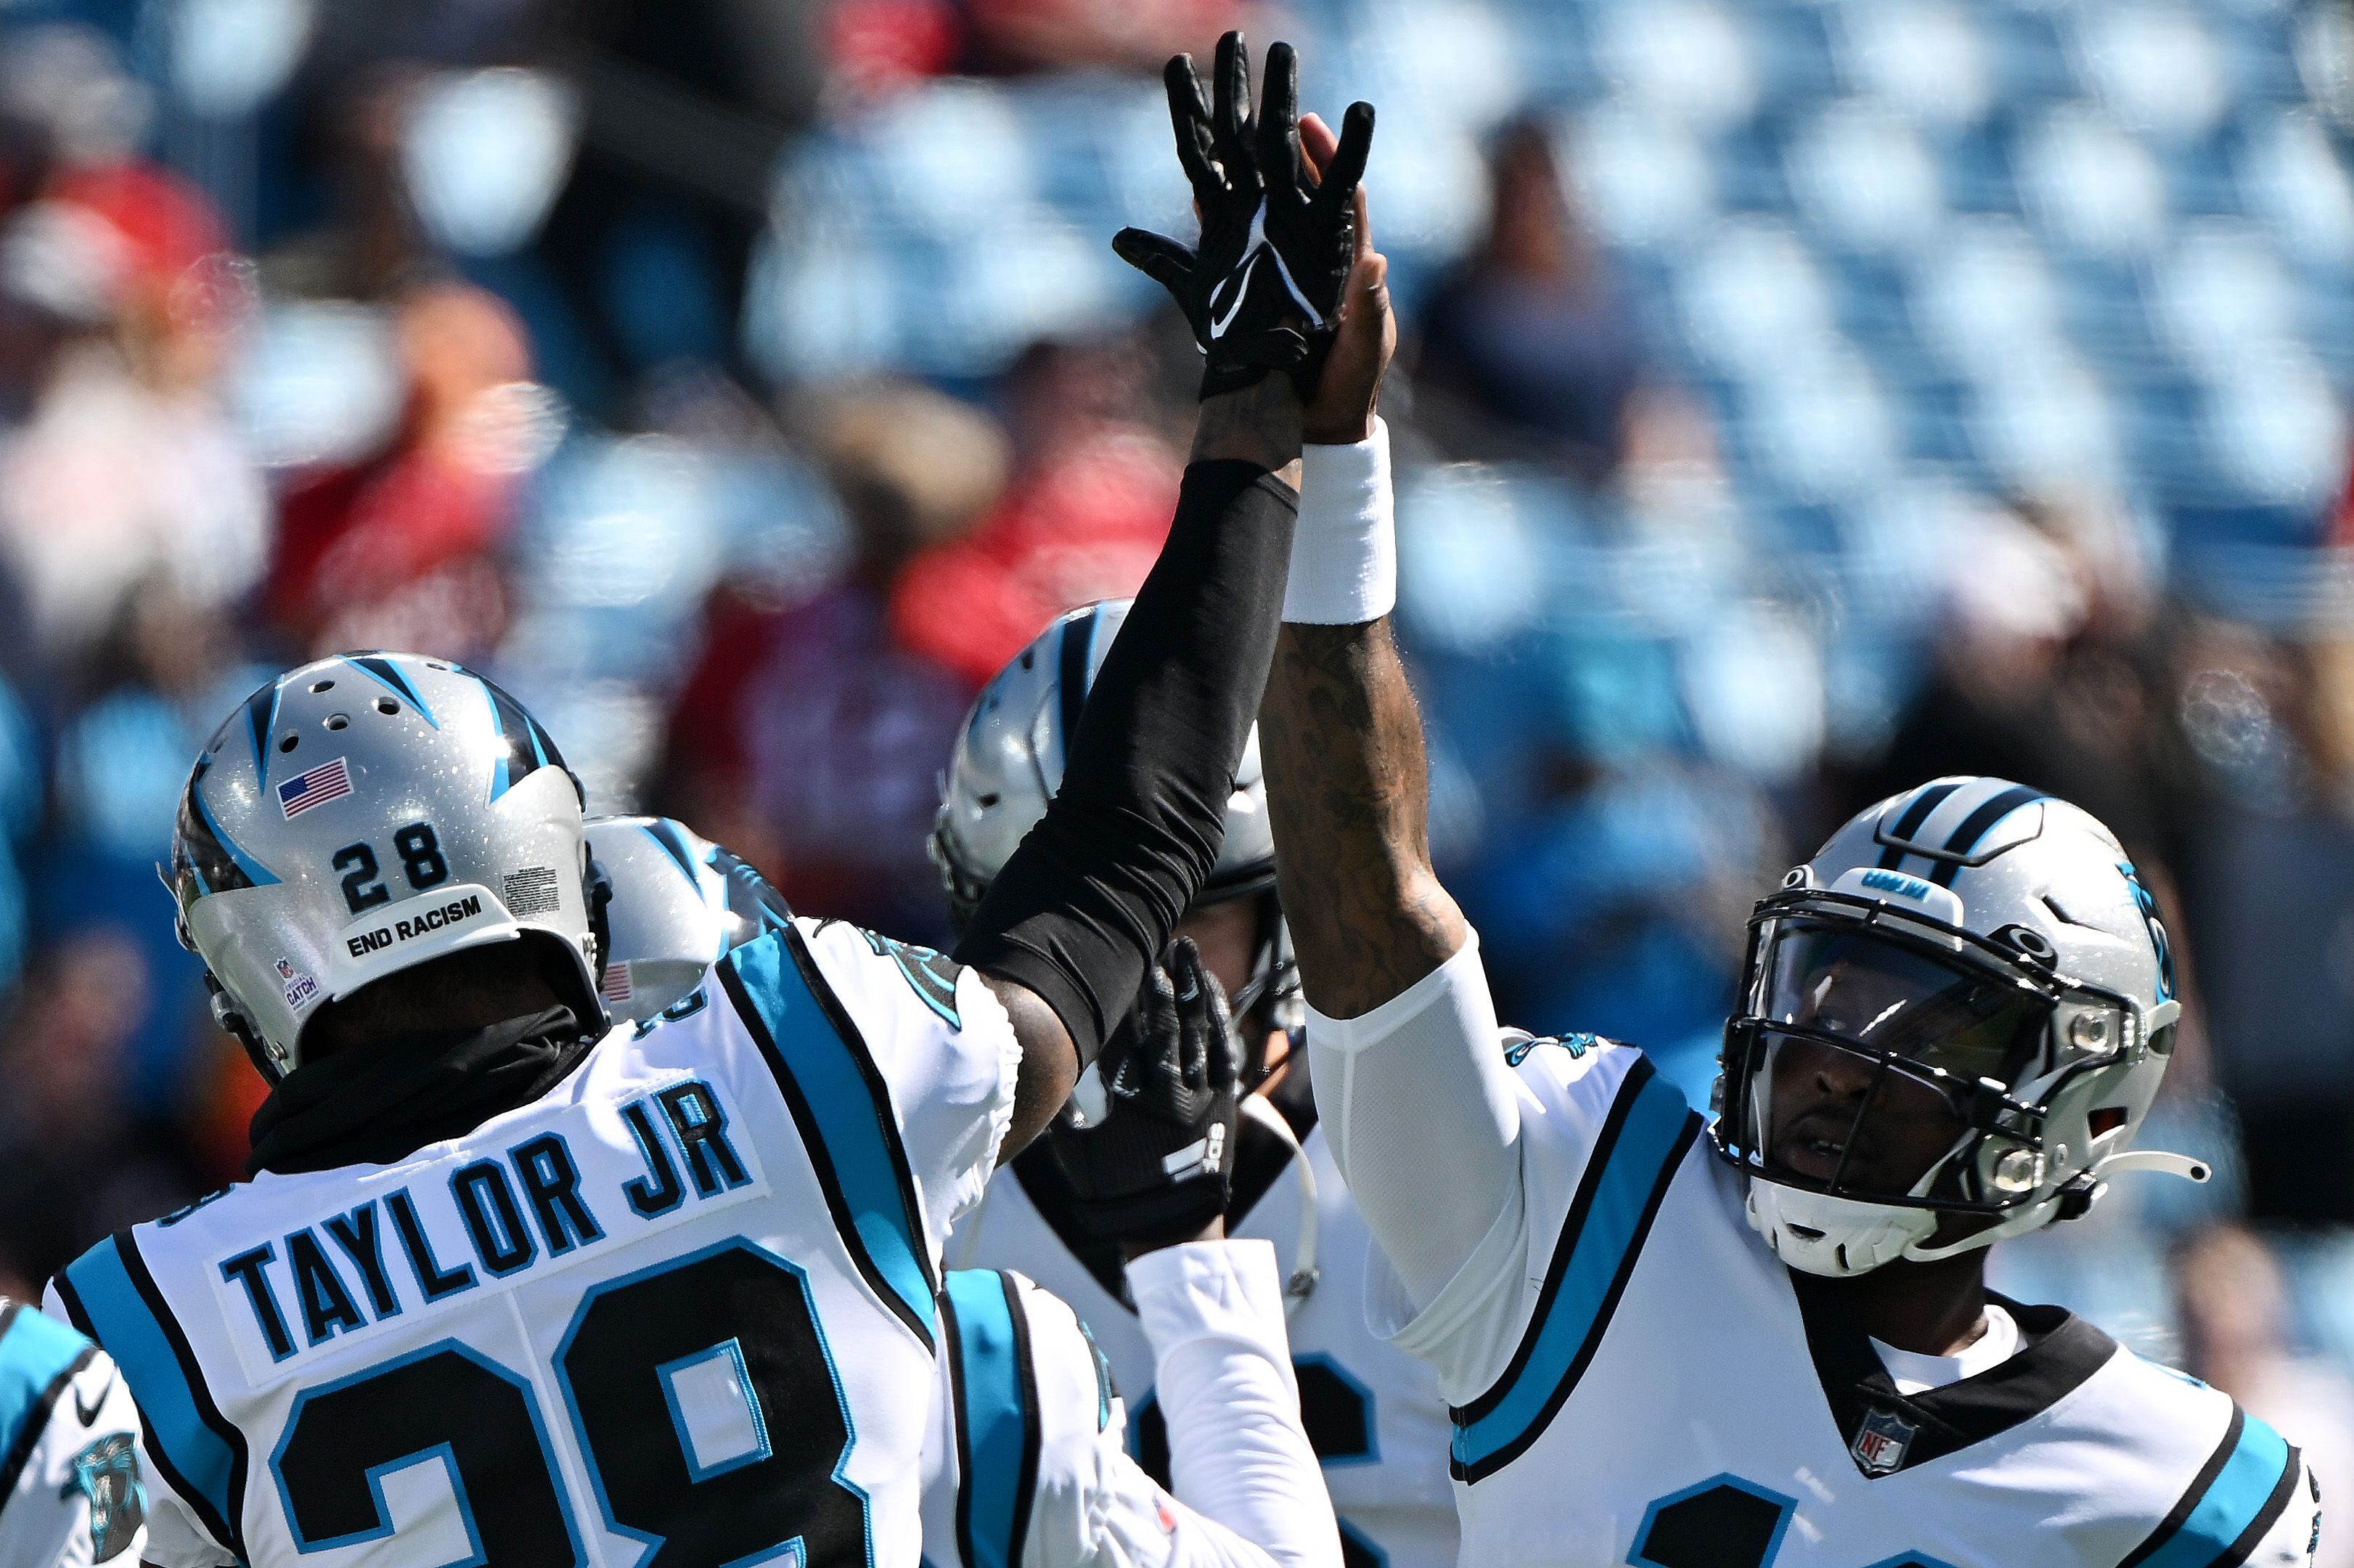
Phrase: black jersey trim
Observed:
(1605, 1144)
(177, 1407)
(37, 1415)
(2058, 1353)
(2238, 1495)
(1499, 1426)
(891, 1222)
(993, 1380)
(2274, 1506)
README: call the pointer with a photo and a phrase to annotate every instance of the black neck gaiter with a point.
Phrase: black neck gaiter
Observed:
(376, 1106)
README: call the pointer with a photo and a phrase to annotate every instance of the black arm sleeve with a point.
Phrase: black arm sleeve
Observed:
(1089, 900)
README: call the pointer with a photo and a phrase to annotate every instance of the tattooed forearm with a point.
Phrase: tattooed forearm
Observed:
(1347, 788)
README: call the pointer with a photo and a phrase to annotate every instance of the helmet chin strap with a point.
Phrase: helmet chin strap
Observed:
(1854, 1237)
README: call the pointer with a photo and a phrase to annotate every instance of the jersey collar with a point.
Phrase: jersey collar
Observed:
(1887, 1432)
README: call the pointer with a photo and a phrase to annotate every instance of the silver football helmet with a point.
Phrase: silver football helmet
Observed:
(1953, 1020)
(1009, 762)
(679, 904)
(364, 814)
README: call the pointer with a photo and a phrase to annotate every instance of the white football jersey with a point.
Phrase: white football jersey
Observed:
(1024, 1466)
(1373, 1413)
(1636, 1380)
(678, 1308)
(70, 1485)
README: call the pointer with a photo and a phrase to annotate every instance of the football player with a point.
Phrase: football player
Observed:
(513, 1287)
(1375, 1412)
(1768, 1339)
(1024, 1461)
(71, 1493)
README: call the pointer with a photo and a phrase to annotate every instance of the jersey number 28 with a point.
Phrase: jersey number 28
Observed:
(734, 1305)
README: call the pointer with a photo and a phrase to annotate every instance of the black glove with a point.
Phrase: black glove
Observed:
(1275, 249)
(1159, 1166)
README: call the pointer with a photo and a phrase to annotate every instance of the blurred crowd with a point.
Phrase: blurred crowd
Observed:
(1800, 401)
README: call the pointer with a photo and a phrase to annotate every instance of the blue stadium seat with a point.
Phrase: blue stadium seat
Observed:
(1860, 174)
(1927, 59)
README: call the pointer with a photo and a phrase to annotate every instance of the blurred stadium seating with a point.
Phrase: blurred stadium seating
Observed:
(1902, 272)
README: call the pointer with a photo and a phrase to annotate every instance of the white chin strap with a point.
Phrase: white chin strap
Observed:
(1817, 1233)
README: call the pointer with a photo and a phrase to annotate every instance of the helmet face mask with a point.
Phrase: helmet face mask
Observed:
(1910, 1076)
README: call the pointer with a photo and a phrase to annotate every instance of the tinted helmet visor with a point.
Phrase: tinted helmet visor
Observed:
(1876, 1064)
(1900, 1000)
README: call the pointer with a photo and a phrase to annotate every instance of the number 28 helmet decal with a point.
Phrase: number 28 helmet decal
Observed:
(1953, 1020)
(364, 814)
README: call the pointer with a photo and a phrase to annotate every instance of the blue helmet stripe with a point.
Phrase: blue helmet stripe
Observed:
(665, 835)
(257, 874)
(387, 673)
(260, 718)
(1975, 826)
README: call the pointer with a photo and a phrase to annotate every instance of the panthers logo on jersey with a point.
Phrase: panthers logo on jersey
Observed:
(107, 1473)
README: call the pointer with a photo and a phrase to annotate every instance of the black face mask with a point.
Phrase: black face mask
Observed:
(375, 1106)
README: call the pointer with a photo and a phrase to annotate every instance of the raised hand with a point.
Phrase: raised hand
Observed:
(1159, 1166)
(1262, 291)
(1340, 397)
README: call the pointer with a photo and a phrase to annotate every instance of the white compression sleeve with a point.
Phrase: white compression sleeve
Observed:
(1419, 1105)
(1239, 1453)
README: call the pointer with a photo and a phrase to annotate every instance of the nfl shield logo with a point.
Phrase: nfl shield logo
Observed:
(1881, 1442)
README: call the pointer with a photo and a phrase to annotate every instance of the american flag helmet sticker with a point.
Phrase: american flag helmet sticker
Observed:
(328, 782)
(617, 988)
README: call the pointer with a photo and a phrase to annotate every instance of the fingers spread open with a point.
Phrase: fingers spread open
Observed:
(1279, 161)
(1348, 165)
(1230, 116)
(1189, 116)
(1157, 256)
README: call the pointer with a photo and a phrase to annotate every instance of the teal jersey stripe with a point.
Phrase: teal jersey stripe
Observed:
(2244, 1495)
(195, 1458)
(843, 1110)
(997, 1419)
(1617, 1206)
(35, 1353)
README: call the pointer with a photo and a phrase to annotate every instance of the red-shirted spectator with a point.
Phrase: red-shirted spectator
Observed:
(1087, 510)
(806, 740)
(399, 551)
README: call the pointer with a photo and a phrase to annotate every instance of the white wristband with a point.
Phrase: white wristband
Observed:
(1344, 547)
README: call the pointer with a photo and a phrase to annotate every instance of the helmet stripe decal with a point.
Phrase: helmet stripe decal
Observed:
(662, 833)
(1071, 675)
(212, 853)
(260, 718)
(387, 673)
(526, 749)
(1975, 827)
(1925, 800)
